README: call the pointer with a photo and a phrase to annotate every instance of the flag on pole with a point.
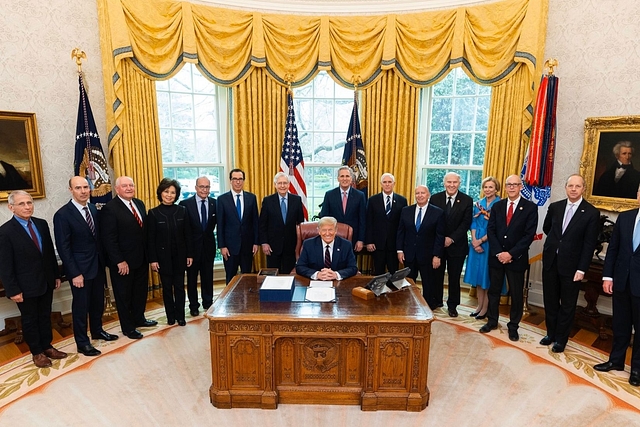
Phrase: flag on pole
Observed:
(291, 160)
(354, 155)
(537, 169)
(89, 160)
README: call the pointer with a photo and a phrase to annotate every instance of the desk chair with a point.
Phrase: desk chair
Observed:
(307, 230)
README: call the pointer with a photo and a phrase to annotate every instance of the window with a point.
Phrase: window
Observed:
(192, 114)
(323, 109)
(453, 132)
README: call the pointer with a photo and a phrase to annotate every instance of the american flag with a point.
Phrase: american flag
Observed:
(291, 161)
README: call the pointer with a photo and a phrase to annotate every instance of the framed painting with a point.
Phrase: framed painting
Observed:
(20, 166)
(610, 146)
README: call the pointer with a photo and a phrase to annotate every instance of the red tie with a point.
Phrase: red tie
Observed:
(509, 213)
(33, 235)
(327, 258)
(135, 214)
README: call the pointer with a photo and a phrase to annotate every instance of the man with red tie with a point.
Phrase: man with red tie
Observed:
(511, 229)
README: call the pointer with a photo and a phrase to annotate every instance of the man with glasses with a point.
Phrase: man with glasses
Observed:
(511, 229)
(201, 209)
(237, 226)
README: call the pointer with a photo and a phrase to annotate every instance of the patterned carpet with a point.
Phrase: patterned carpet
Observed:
(474, 379)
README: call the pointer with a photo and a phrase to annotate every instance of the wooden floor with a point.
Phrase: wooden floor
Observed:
(585, 335)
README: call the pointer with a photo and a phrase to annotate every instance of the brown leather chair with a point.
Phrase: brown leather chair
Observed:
(307, 230)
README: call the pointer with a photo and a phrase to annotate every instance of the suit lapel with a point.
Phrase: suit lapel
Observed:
(77, 216)
(24, 235)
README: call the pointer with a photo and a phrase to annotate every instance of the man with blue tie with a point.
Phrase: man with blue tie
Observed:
(281, 212)
(237, 226)
(76, 229)
(29, 274)
(621, 278)
(327, 256)
(201, 209)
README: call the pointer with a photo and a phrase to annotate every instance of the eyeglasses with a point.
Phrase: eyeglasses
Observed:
(512, 184)
(203, 187)
(237, 179)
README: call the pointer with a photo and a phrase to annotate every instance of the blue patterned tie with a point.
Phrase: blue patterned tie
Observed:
(283, 209)
(388, 206)
(636, 236)
(238, 207)
(203, 215)
(419, 219)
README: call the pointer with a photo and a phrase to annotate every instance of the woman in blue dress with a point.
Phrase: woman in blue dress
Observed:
(477, 272)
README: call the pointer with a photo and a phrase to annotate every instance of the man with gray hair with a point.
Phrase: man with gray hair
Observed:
(327, 256)
(281, 212)
(29, 274)
(383, 216)
(621, 179)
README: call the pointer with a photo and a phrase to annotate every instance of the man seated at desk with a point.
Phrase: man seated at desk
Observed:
(327, 256)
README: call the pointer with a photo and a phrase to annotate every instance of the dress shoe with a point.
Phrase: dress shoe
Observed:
(546, 340)
(634, 379)
(89, 350)
(488, 328)
(514, 336)
(481, 316)
(608, 366)
(134, 335)
(557, 348)
(104, 335)
(182, 322)
(453, 312)
(171, 322)
(147, 323)
(195, 312)
(41, 361)
(52, 353)
(474, 314)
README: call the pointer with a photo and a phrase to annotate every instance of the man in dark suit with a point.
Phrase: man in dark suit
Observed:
(201, 209)
(327, 256)
(347, 205)
(77, 232)
(571, 226)
(511, 229)
(237, 226)
(281, 212)
(621, 277)
(420, 241)
(383, 216)
(124, 242)
(621, 179)
(29, 274)
(458, 212)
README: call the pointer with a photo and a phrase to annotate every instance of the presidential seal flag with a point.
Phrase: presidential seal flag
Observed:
(89, 160)
(354, 155)
(291, 160)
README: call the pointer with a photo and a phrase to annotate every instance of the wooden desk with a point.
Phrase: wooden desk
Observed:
(371, 353)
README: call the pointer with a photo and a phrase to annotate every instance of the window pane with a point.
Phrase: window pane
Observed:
(323, 86)
(167, 145)
(482, 114)
(464, 85)
(181, 111)
(206, 142)
(464, 114)
(183, 143)
(201, 84)
(304, 114)
(181, 82)
(323, 143)
(343, 110)
(441, 114)
(461, 149)
(445, 87)
(323, 115)
(479, 146)
(164, 110)
(435, 179)
(439, 149)
(205, 111)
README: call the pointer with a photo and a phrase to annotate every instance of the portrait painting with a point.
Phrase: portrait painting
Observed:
(20, 167)
(611, 162)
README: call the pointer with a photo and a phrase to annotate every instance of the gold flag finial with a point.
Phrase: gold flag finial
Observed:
(78, 55)
(288, 79)
(551, 64)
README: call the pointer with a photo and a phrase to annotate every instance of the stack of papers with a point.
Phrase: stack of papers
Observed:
(320, 291)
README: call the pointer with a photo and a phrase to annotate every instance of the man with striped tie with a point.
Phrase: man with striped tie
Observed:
(76, 228)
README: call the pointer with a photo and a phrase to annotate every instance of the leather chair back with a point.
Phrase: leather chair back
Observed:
(307, 230)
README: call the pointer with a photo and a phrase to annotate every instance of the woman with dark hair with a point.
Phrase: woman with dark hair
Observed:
(170, 248)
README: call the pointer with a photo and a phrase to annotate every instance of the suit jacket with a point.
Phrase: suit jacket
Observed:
(78, 248)
(204, 242)
(356, 213)
(169, 237)
(425, 243)
(622, 262)
(457, 221)
(280, 235)
(573, 248)
(235, 235)
(122, 237)
(343, 260)
(515, 238)
(23, 268)
(382, 229)
(626, 187)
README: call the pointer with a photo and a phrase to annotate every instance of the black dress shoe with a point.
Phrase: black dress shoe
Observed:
(557, 348)
(634, 379)
(481, 316)
(453, 312)
(171, 322)
(608, 366)
(89, 350)
(182, 322)
(147, 323)
(488, 328)
(514, 336)
(104, 335)
(134, 335)
(474, 314)
(546, 340)
(195, 312)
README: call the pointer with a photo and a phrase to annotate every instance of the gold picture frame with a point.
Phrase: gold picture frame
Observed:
(20, 166)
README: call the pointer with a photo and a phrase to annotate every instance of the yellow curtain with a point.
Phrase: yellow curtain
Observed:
(391, 131)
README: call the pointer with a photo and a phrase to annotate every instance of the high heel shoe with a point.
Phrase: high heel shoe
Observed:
(474, 314)
(481, 316)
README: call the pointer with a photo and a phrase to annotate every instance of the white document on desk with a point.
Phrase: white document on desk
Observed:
(277, 282)
(322, 294)
(321, 284)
